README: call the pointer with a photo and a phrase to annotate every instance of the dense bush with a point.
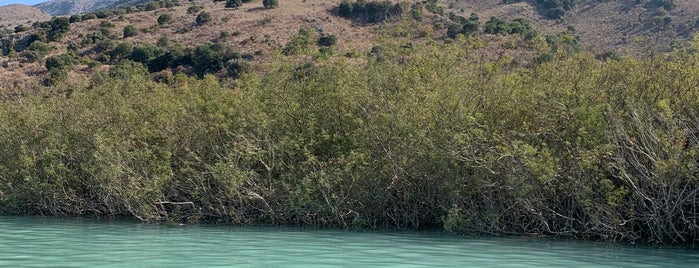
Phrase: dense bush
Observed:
(270, 3)
(36, 51)
(211, 58)
(301, 43)
(59, 27)
(130, 31)
(571, 147)
(555, 9)
(234, 3)
(369, 12)
(326, 40)
(203, 18)
(462, 25)
(517, 26)
(164, 18)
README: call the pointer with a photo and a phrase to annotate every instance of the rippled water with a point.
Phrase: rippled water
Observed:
(50, 242)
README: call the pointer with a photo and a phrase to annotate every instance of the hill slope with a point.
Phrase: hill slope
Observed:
(616, 25)
(72, 7)
(13, 15)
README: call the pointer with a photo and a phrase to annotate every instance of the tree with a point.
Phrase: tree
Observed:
(270, 3)
(130, 31)
(234, 3)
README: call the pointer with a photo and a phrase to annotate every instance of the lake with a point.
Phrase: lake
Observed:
(75, 242)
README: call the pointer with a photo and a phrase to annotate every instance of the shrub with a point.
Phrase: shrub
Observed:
(164, 18)
(130, 31)
(63, 61)
(470, 26)
(104, 45)
(211, 58)
(496, 26)
(234, 3)
(121, 51)
(555, 13)
(300, 43)
(193, 9)
(345, 9)
(203, 18)
(270, 3)
(237, 67)
(36, 51)
(59, 27)
(21, 28)
(369, 12)
(151, 6)
(327, 40)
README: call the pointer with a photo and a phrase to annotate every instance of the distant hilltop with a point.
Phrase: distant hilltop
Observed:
(14, 15)
(70, 7)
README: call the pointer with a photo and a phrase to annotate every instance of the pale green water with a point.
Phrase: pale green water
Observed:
(48, 242)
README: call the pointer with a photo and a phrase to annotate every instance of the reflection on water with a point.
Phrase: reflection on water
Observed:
(42, 242)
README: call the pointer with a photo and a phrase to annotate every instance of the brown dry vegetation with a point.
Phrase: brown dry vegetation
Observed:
(13, 15)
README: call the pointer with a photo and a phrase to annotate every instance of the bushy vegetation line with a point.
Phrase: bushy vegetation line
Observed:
(571, 147)
(370, 11)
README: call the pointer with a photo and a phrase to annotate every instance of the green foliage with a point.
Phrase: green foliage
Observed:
(21, 28)
(555, 9)
(121, 51)
(269, 4)
(429, 136)
(326, 40)
(36, 51)
(194, 9)
(211, 58)
(164, 18)
(234, 3)
(130, 31)
(151, 6)
(203, 18)
(433, 6)
(63, 62)
(301, 43)
(370, 12)
(59, 27)
(518, 26)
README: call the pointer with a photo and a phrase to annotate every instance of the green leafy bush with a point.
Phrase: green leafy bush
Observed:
(234, 3)
(270, 3)
(203, 18)
(130, 31)
(369, 12)
(164, 18)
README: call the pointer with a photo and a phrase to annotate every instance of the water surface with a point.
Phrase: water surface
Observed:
(51, 242)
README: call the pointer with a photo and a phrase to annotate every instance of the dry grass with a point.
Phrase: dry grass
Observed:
(13, 15)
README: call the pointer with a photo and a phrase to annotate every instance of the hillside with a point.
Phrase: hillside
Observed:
(72, 7)
(620, 26)
(608, 27)
(14, 15)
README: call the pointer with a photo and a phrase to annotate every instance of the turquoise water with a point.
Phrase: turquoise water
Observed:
(50, 242)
